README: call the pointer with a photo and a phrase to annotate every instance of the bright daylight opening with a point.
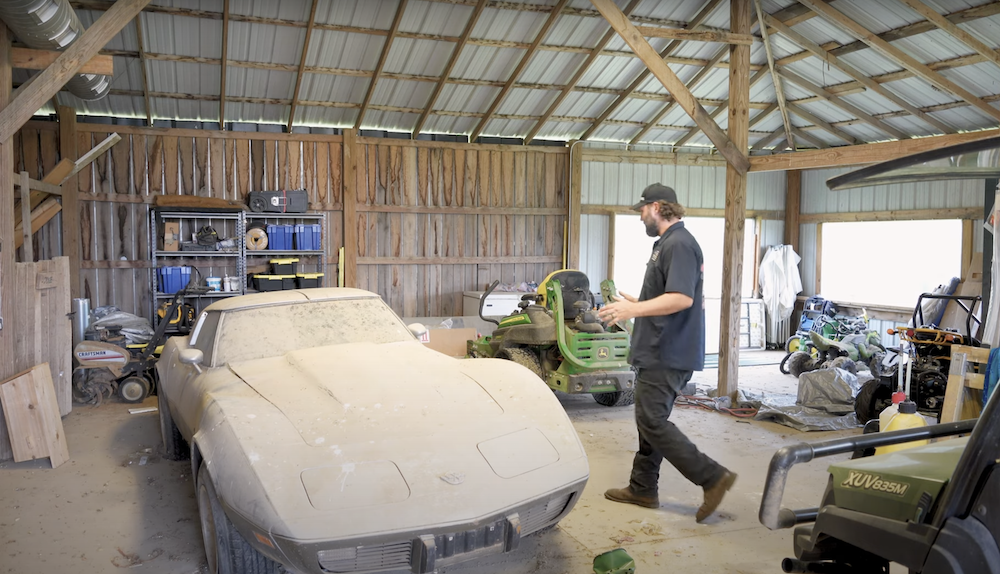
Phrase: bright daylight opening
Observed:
(888, 262)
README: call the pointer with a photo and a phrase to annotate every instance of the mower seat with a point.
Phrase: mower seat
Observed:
(575, 289)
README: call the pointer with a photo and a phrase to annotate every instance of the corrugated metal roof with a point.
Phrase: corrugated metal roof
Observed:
(497, 45)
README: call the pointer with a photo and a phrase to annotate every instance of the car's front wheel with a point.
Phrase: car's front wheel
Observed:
(225, 548)
(174, 445)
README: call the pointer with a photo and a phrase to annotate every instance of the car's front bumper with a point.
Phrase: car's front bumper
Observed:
(431, 547)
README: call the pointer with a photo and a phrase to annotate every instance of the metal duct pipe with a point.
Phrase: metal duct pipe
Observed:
(52, 25)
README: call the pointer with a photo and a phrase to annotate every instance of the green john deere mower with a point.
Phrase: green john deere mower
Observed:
(934, 509)
(557, 335)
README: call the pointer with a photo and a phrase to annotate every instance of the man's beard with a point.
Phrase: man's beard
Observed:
(652, 229)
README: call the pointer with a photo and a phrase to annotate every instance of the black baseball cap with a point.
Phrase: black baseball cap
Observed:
(655, 192)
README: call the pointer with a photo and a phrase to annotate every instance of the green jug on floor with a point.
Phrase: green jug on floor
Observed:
(616, 561)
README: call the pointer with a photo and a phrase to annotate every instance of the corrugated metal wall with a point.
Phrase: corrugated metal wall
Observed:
(931, 195)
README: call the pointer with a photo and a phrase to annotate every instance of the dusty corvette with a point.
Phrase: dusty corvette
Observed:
(324, 437)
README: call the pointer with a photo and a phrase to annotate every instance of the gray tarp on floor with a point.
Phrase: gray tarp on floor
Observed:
(825, 402)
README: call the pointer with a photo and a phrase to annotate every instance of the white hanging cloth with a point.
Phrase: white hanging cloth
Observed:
(779, 283)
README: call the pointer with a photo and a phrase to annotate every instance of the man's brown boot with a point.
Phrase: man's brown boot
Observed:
(714, 494)
(626, 495)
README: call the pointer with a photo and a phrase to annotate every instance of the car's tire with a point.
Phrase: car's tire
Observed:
(133, 389)
(174, 445)
(872, 399)
(615, 398)
(225, 548)
(800, 362)
(523, 357)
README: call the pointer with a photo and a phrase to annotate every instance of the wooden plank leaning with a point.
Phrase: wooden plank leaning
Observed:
(29, 405)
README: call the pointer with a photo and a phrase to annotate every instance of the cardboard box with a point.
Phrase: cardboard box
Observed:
(451, 342)
(172, 236)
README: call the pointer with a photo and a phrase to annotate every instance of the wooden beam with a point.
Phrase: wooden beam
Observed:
(702, 15)
(690, 86)
(895, 215)
(29, 59)
(70, 203)
(840, 103)
(302, 65)
(353, 154)
(35, 185)
(900, 57)
(25, 237)
(809, 117)
(225, 60)
(818, 262)
(696, 35)
(525, 58)
(575, 201)
(145, 74)
(867, 82)
(762, 142)
(32, 96)
(38, 217)
(572, 81)
(736, 203)
(456, 51)
(820, 144)
(968, 233)
(602, 209)
(862, 154)
(7, 333)
(778, 91)
(793, 207)
(719, 110)
(393, 30)
(954, 31)
(734, 154)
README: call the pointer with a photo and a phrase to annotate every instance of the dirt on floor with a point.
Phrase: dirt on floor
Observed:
(117, 505)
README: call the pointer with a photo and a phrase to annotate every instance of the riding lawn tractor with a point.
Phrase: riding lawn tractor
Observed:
(557, 335)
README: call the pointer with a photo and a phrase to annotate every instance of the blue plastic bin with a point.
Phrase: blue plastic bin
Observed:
(172, 279)
(307, 237)
(279, 237)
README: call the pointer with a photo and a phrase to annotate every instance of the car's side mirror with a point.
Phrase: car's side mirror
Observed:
(417, 329)
(192, 356)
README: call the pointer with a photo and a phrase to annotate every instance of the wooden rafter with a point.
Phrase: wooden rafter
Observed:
(869, 83)
(722, 107)
(779, 92)
(809, 117)
(393, 30)
(734, 155)
(809, 138)
(690, 86)
(225, 58)
(695, 35)
(34, 94)
(517, 70)
(702, 15)
(762, 142)
(476, 13)
(30, 59)
(956, 32)
(576, 77)
(840, 103)
(145, 74)
(302, 66)
(895, 54)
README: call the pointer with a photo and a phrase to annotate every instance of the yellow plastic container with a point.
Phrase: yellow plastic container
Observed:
(906, 418)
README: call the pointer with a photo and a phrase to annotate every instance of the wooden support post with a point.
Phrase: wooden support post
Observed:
(576, 185)
(793, 207)
(70, 207)
(612, 218)
(7, 334)
(351, 175)
(967, 246)
(29, 252)
(736, 202)
(819, 258)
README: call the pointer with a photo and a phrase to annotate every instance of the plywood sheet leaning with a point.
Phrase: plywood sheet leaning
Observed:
(963, 397)
(33, 421)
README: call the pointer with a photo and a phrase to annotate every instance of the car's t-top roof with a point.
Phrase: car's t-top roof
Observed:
(289, 296)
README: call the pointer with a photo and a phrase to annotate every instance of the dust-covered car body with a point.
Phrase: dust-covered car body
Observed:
(338, 443)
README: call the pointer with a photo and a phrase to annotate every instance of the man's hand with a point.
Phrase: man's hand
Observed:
(620, 309)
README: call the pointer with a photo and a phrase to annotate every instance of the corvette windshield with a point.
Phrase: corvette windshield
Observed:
(262, 332)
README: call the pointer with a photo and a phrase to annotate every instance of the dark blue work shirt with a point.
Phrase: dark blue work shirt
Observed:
(675, 341)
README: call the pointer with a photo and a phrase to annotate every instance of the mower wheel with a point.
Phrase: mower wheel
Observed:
(615, 398)
(522, 357)
(872, 399)
(842, 362)
(794, 343)
(800, 362)
(875, 364)
(133, 389)
(783, 367)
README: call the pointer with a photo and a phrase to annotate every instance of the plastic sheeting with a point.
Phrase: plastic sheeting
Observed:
(779, 283)
(136, 329)
(825, 401)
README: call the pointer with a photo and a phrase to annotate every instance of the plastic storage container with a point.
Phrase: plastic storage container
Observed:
(307, 236)
(172, 279)
(308, 280)
(886, 415)
(279, 237)
(906, 418)
(269, 282)
(283, 266)
(214, 283)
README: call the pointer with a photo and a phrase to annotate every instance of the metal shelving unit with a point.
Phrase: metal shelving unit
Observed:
(310, 261)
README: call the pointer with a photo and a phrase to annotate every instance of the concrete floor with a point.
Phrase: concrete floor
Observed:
(104, 510)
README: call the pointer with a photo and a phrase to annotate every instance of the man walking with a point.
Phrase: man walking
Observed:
(668, 344)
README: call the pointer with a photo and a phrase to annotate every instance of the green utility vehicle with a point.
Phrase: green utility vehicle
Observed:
(933, 508)
(557, 335)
